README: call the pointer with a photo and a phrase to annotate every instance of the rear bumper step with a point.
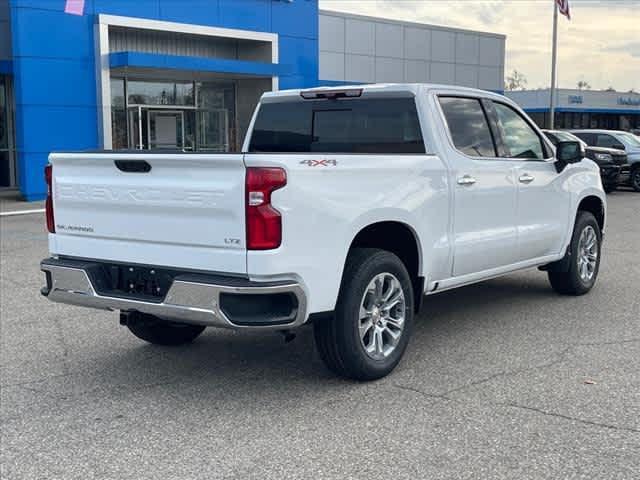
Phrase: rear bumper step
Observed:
(199, 299)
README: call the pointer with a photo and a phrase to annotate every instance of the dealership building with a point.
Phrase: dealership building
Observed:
(186, 75)
(582, 108)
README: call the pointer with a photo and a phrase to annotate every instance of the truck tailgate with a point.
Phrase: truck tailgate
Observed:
(186, 211)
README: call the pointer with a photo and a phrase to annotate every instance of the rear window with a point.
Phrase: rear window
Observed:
(362, 125)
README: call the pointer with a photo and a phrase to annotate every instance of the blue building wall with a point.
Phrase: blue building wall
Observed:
(54, 64)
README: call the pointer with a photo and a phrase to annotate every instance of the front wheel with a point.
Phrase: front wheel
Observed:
(368, 333)
(584, 261)
(635, 178)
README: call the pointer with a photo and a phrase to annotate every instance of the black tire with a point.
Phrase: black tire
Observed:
(635, 178)
(152, 330)
(570, 282)
(337, 337)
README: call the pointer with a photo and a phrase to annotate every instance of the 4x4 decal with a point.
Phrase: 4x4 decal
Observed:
(319, 163)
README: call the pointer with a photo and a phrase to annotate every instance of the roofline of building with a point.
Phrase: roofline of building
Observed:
(615, 111)
(575, 90)
(337, 13)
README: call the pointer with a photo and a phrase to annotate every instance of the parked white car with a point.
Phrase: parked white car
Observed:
(344, 209)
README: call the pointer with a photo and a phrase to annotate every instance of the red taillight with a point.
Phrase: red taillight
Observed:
(48, 174)
(264, 223)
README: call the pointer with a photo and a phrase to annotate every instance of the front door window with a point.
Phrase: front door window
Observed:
(520, 139)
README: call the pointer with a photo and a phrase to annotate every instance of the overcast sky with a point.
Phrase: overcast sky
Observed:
(601, 43)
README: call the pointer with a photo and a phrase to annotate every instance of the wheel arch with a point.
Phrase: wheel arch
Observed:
(400, 239)
(595, 205)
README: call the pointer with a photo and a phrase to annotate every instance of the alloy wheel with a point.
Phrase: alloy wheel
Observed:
(382, 316)
(587, 254)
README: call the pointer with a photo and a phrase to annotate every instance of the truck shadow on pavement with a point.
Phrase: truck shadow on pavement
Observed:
(240, 358)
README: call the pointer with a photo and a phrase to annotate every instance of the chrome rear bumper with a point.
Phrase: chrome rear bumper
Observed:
(192, 299)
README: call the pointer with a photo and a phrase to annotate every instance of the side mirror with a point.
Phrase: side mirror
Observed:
(618, 146)
(568, 152)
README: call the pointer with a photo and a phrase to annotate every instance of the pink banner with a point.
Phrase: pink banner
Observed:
(74, 7)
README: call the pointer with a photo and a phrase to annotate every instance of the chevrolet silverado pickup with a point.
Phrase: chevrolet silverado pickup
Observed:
(345, 208)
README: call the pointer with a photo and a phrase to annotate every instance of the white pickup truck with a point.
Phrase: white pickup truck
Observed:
(345, 208)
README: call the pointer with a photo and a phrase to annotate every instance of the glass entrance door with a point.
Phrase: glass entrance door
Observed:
(165, 129)
(152, 128)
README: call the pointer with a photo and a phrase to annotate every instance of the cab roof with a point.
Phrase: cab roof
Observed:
(383, 89)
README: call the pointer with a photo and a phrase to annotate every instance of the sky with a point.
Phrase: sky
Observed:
(600, 44)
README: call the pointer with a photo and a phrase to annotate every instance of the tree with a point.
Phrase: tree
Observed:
(584, 85)
(515, 81)
(610, 89)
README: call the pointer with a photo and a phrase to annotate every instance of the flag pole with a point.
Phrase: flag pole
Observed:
(554, 56)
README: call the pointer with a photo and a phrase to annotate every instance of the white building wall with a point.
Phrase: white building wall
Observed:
(356, 48)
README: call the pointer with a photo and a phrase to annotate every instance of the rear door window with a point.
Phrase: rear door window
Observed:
(362, 125)
(468, 126)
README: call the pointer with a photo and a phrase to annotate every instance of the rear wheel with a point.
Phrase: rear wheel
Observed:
(635, 178)
(584, 261)
(369, 331)
(159, 332)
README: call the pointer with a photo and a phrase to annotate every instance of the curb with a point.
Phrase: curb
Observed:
(21, 212)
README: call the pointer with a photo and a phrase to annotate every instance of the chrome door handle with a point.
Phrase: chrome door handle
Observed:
(466, 180)
(526, 178)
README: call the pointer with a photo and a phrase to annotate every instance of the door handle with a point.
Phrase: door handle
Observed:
(526, 178)
(466, 180)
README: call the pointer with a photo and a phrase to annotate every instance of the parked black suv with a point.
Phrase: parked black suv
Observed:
(610, 160)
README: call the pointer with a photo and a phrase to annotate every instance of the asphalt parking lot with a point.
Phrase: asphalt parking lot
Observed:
(504, 379)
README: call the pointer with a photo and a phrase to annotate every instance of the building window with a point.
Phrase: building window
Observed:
(118, 114)
(216, 116)
(160, 93)
(174, 115)
(538, 118)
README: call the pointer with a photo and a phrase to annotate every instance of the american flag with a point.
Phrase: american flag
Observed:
(563, 8)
